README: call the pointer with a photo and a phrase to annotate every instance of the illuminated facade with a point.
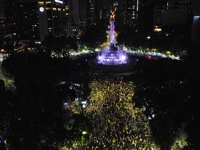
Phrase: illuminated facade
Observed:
(52, 18)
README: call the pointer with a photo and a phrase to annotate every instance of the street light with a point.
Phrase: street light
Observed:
(84, 104)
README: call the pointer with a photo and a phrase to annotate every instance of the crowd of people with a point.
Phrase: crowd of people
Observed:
(116, 122)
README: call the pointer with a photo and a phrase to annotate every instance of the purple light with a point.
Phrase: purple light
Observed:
(113, 54)
(123, 58)
(112, 57)
(100, 58)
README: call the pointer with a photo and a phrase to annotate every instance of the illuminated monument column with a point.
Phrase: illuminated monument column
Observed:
(112, 27)
(112, 54)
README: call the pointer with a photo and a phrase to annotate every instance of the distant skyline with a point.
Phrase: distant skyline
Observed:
(196, 4)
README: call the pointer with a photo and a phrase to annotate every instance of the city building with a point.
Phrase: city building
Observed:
(33, 20)
(101, 10)
(2, 27)
(173, 18)
(2, 20)
(77, 16)
(130, 12)
(91, 12)
(146, 14)
(22, 18)
(52, 18)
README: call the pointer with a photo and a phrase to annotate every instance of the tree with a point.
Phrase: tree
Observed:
(163, 92)
(37, 119)
(59, 45)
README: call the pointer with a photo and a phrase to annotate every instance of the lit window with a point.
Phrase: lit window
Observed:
(67, 7)
(40, 3)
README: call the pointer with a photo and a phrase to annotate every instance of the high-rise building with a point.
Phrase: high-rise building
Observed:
(91, 12)
(52, 18)
(146, 14)
(2, 21)
(165, 15)
(174, 17)
(83, 12)
(130, 12)
(77, 16)
(22, 16)
(35, 19)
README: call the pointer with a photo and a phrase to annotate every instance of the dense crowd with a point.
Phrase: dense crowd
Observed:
(116, 122)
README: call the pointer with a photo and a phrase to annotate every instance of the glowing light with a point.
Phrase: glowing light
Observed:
(148, 37)
(59, 1)
(112, 55)
(149, 57)
(40, 3)
(84, 132)
(100, 58)
(157, 29)
(168, 52)
(65, 104)
(123, 58)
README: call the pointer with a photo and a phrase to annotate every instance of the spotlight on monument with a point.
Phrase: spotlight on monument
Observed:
(112, 54)
(123, 58)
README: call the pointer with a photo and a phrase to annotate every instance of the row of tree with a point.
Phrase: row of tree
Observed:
(169, 91)
(33, 115)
